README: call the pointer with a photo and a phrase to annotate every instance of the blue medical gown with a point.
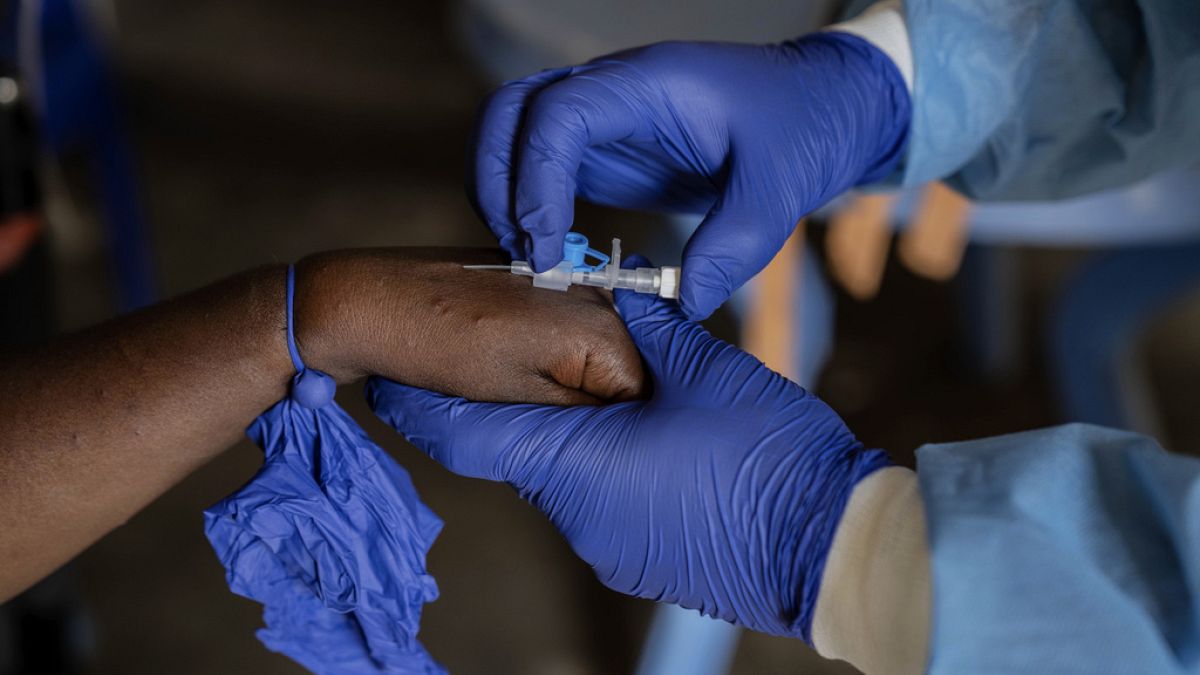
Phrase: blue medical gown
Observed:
(1043, 99)
(1074, 549)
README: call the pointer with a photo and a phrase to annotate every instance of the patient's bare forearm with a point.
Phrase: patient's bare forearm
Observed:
(95, 426)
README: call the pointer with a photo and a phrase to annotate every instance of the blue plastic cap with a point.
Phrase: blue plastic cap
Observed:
(576, 251)
(575, 248)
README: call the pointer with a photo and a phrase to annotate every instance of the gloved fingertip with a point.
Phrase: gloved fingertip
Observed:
(694, 311)
(398, 404)
(544, 255)
(629, 303)
(379, 392)
(632, 305)
(525, 243)
(512, 245)
(634, 261)
(535, 255)
(699, 304)
(372, 390)
(699, 294)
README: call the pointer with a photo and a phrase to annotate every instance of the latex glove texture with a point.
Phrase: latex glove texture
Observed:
(719, 493)
(753, 136)
(331, 537)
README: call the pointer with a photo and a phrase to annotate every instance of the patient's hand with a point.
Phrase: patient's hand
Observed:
(415, 316)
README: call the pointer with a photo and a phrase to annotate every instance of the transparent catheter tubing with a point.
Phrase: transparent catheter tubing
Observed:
(660, 281)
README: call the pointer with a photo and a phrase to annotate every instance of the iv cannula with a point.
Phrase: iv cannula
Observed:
(661, 281)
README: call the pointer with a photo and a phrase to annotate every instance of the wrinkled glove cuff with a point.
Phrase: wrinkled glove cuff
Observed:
(824, 500)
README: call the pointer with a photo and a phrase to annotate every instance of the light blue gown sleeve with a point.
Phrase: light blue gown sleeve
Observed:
(1074, 549)
(1043, 99)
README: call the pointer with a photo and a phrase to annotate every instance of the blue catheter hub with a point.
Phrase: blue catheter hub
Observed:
(576, 251)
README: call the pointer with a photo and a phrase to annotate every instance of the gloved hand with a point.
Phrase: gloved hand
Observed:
(754, 136)
(720, 493)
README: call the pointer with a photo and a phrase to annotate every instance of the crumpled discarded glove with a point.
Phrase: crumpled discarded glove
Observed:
(330, 537)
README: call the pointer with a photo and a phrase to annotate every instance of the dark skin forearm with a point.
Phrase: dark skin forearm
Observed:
(95, 426)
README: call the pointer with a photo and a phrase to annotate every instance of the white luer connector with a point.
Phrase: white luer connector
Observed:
(661, 281)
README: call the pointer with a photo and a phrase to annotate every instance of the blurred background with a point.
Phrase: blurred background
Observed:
(254, 131)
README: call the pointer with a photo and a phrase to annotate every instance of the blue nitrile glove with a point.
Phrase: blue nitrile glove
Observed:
(754, 136)
(720, 493)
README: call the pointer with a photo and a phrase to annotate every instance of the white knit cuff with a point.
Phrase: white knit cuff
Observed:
(873, 610)
(883, 25)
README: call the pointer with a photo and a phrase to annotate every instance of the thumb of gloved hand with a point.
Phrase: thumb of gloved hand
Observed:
(736, 240)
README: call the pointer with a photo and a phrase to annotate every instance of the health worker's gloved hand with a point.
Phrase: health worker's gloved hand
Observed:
(753, 136)
(720, 493)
